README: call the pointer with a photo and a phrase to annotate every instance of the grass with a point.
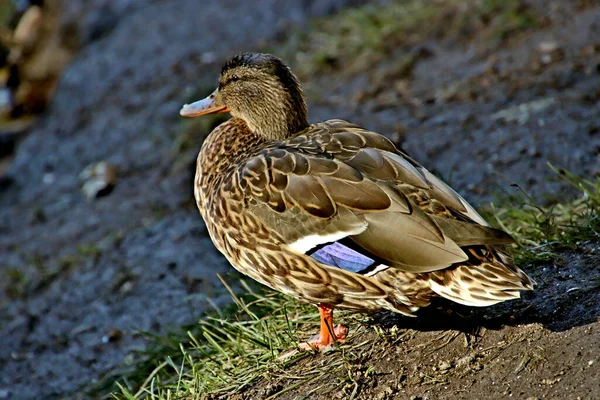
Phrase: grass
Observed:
(541, 231)
(233, 348)
(16, 282)
(358, 38)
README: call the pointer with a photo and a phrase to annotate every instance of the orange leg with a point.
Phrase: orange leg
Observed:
(328, 335)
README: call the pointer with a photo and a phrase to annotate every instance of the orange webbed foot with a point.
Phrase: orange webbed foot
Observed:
(328, 335)
(319, 342)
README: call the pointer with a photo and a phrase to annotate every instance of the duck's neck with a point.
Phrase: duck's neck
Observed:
(277, 124)
(278, 116)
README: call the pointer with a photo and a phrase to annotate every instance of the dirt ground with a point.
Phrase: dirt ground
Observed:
(544, 346)
(79, 279)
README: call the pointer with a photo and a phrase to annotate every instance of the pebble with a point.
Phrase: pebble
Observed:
(98, 179)
(548, 46)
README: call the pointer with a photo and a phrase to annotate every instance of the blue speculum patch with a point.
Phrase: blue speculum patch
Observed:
(338, 255)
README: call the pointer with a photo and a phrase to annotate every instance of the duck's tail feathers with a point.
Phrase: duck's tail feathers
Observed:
(484, 284)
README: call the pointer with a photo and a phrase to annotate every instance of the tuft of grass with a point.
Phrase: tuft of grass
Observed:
(16, 282)
(233, 348)
(541, 231)
(89, 250)
(513, 16)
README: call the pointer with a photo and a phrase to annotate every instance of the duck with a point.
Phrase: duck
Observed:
(332, 213)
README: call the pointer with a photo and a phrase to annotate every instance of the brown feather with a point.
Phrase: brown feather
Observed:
(469, 234)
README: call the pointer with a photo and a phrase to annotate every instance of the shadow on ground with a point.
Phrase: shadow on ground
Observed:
(566, 295)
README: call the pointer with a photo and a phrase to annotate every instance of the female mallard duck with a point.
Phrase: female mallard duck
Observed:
(335, 214)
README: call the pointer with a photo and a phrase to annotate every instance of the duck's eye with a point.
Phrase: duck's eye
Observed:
(234, 78)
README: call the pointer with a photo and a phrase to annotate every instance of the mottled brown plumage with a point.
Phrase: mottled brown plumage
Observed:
(273, 189)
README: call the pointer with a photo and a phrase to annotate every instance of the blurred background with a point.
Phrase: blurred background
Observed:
(99, 235)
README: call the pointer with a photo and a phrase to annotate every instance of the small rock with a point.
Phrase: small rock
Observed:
(126, 288)
(466, 360)
(445, 366)
(548, 46)
(387, 390)
(546, 59)
(550, 382)
(112, 336)
(99, 179)
(550, 51)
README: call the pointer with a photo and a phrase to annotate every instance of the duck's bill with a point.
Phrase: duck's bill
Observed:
(205, 106)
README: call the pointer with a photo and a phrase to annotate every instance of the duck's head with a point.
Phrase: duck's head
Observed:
(261, 90)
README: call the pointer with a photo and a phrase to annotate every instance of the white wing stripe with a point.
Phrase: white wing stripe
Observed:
(309, 242)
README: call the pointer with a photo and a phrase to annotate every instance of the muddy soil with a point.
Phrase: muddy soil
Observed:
(80, 279)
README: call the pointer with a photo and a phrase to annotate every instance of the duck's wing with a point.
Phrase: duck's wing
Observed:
(338, 184)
